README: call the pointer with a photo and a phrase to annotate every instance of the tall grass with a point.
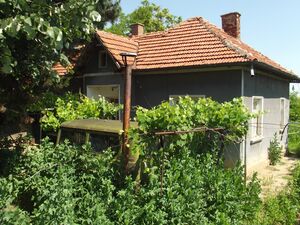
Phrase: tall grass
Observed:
(294, 139)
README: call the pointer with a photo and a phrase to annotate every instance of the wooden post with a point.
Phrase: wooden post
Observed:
(126, 115)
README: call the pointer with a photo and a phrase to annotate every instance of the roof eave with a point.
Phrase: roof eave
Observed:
(293, 78)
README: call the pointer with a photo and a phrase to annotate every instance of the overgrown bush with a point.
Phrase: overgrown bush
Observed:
(58, 109)
(216, 122)
(189, 190)
(274, 150)
(70, 185)
(294, 139)
(294, 126)
(58, 185)
(294, 107)
(181, 178)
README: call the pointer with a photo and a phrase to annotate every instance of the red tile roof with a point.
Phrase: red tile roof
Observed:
(117, 44)
(73, 57)
(194, 42)
(60, 69)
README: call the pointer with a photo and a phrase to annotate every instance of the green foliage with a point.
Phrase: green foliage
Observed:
(188, 114)
(187, 187)
(274, 150)
(150, 15)
(71, 185)
(176, 185)
(294, 128)
(280, 209)
(294, 107)
(46, 101)
(34, 35)
(284, 207)
(58, 185)
(70, 107)
(295, 182)
(190, 190)
(294, 139)
(10, 152)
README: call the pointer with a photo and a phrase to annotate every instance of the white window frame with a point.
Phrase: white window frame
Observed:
(254, 136)
(105, 85)
(99, 58)
(282, 116)
(172, 97)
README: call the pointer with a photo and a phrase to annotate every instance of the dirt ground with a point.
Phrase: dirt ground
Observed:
(275, 178)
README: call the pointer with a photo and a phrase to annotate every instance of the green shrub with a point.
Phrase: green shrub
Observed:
(294, 107)
(294, 139)
(45, 101)
(275, 150)
(188, 114)
(58, 185)
(190, 190)
(71, 107)
(181, 178)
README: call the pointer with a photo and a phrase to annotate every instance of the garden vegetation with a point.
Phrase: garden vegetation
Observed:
(294, 126)
(177, 179)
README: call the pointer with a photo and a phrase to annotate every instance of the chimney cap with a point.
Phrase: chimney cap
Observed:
(231, 24)
(134, 24)
(137, 29)
(232, 13)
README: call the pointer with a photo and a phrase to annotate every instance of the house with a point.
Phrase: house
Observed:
(198, 59)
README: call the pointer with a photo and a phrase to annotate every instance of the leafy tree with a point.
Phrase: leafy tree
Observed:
(294, 106)
(152, 16)
(35, 34)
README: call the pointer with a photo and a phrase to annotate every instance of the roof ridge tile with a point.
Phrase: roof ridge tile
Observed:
(210, 27)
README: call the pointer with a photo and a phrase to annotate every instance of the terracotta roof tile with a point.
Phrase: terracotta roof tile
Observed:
(194, 42)
(73, 57)
(117, 44)
(60, 70)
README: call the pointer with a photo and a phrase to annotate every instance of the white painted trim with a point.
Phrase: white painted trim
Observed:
(255, 137)
(106, 85)
(284, 112)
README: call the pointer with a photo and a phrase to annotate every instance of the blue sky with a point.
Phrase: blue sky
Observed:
(270, 26)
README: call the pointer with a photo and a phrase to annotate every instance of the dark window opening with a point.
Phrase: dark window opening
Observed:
(102, 59)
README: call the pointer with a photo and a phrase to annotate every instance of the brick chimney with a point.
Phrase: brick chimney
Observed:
(231, 24)
(137, 29)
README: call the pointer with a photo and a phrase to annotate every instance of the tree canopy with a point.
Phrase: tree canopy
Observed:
(152, 16)
(35, 34)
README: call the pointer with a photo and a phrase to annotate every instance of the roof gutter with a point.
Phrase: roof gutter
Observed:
(293, 78)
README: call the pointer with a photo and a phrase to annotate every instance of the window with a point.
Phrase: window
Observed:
(174, 99)
(110, 92)
(257, 122)
(102, 59)
(282, 113)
